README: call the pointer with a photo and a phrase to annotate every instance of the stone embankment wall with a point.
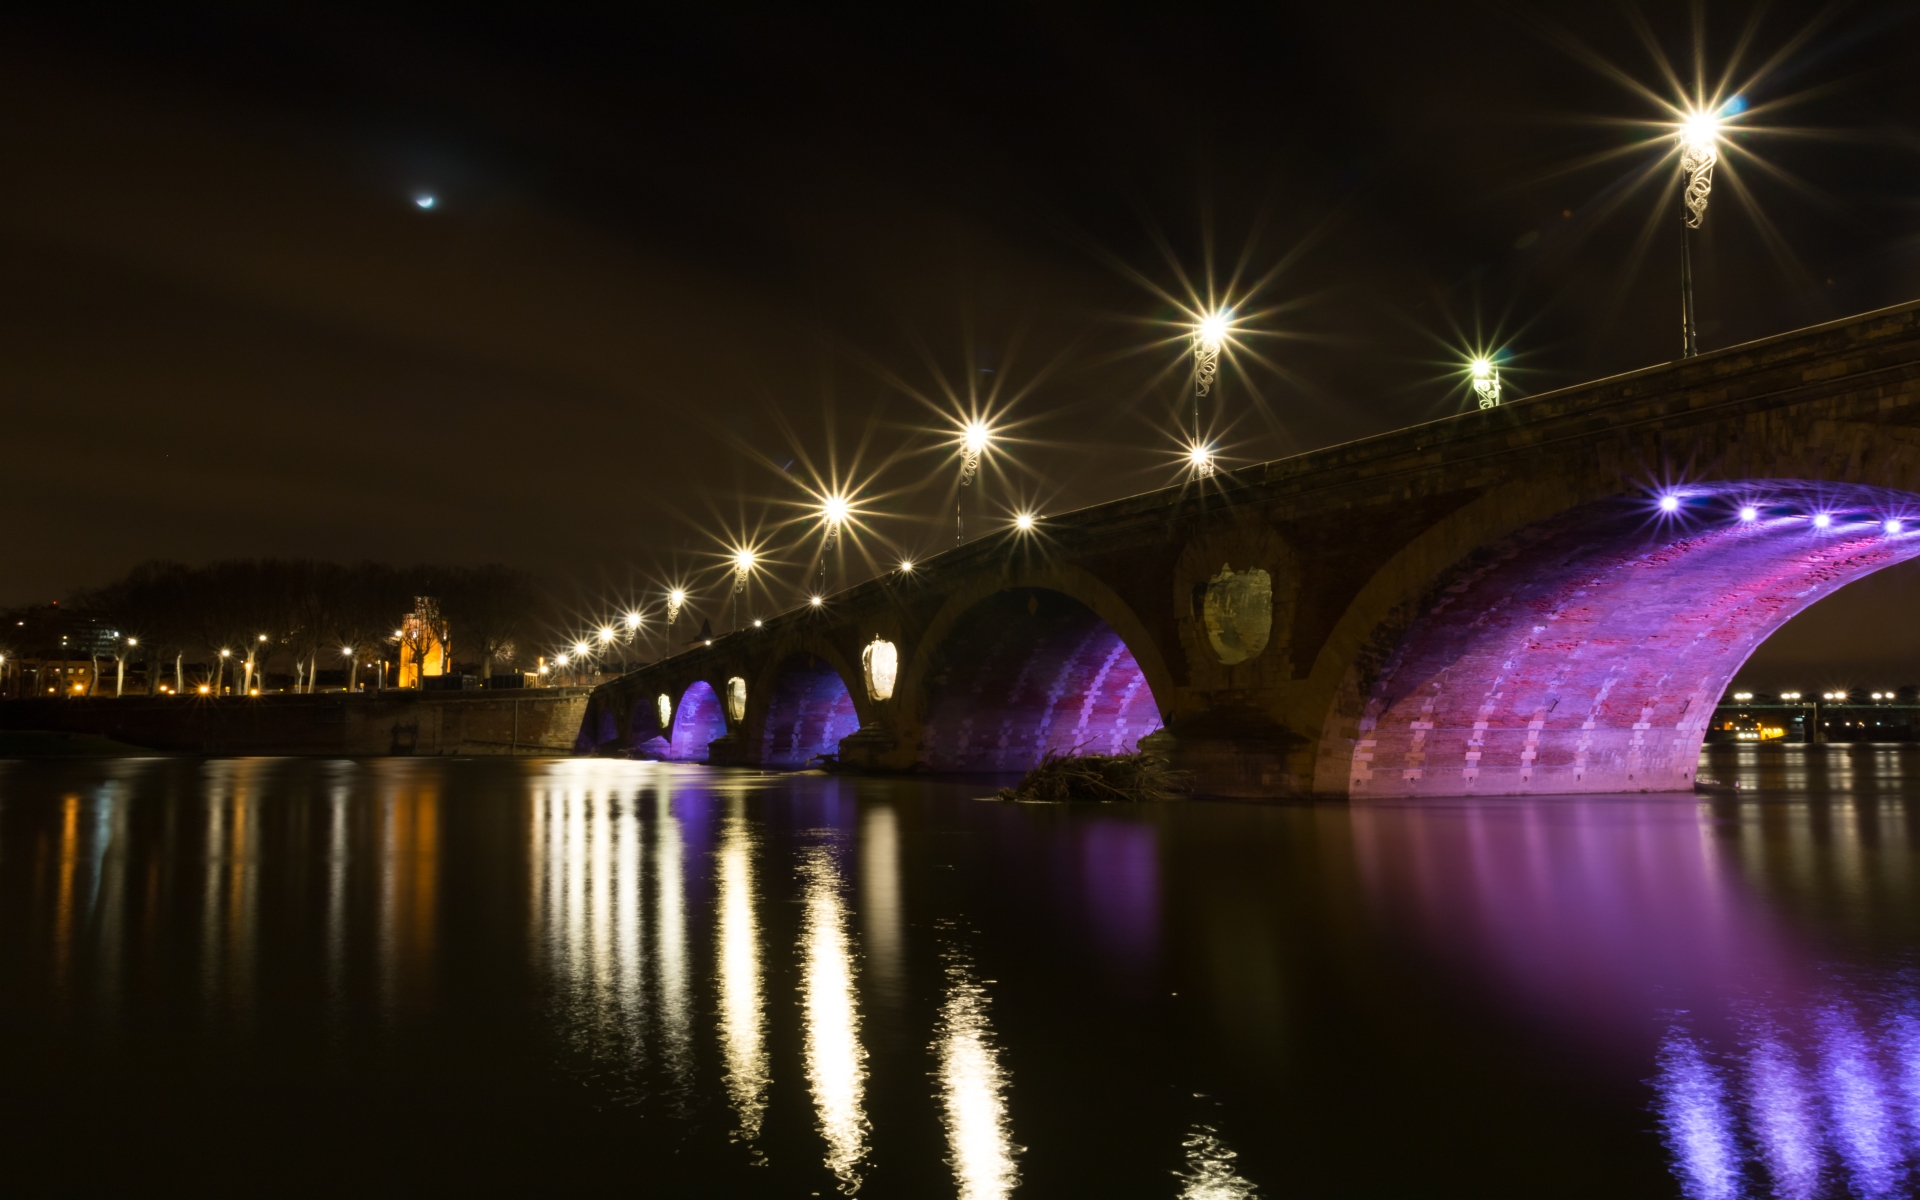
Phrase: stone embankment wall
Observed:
(535, 721)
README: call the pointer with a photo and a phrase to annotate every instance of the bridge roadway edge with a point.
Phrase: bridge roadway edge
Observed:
(1358, 538)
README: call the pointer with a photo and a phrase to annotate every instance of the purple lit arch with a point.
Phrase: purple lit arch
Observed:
(1030, 670)
(1586, 652)
(697, 720)
(808, 711)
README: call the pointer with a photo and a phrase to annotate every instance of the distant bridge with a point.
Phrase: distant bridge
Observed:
(1545, 597)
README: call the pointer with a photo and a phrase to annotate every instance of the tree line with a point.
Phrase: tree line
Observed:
(302, 612)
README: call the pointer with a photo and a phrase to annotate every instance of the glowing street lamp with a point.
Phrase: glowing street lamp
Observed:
(1699, 150)
(743, 561)
(973, 443)
(1023, 522)
(834, 511)
(1486, 381)
(1209, 335)
(633, 620)
(676, 600)
(974, 440)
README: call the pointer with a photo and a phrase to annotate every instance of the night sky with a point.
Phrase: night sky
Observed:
(679, 267)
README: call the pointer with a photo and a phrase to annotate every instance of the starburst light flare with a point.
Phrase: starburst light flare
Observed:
(742, 567)
(676, 599)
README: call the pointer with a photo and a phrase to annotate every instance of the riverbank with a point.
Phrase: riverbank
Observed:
(534, 721)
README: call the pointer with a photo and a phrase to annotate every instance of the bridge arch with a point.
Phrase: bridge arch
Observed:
(802, 705)
(697, 720)
(1585, 650)
(1027, 669)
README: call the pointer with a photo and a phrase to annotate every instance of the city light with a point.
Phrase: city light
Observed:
(633, 620)
(1749, 513)
(906, 565)
(606, 634)
(561, 660)
(130, 642)
(1200, 458)
(676, 600)
(756, 623)
(1023, 522)
(1789, 695)
(1893, 526)
(1743, 695)
(582, 649)
(1821, 520)
(226, 654)
(1669, 503)
(816, 601)
(743, 561)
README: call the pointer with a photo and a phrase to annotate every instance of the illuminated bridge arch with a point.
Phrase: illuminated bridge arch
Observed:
(1586, 651)
(807, 709)
(697, 720)
(1028, 670)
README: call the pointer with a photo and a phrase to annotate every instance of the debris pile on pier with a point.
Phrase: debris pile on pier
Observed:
(1100, 777)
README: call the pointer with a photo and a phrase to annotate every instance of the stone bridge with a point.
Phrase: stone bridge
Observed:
(1545, 597)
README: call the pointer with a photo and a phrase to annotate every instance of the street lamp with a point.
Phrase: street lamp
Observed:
(1486, 381)
(973, 443)
(676, 600)
(1699, 150)
(1209, 335)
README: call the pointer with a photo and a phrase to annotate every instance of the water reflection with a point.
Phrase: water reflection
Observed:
(880, 899)
(670, 942)
(1776, 1071)
(973, 1086)
(1822, 1105)
(836, 1062)
(742, 1010)
(1209, 1173)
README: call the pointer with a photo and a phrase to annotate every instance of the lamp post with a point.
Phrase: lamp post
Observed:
(1209, 335)
(1699, 136)
(676, 600)
(973, 443)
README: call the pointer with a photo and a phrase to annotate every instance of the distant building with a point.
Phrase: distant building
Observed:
(423, 643)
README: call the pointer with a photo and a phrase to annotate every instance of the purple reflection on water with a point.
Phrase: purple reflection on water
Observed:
(1786, 1080)
(1864, 1128)
(1120, 864)
(1698, 1126)
(1785, 1114)
(1903, 1040)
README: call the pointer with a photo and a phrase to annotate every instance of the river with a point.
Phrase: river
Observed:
(532, 976)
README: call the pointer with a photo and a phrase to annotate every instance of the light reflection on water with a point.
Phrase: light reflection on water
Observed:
(836, 1062)
(764, 985)
(742, 1011)
(973, 1086)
